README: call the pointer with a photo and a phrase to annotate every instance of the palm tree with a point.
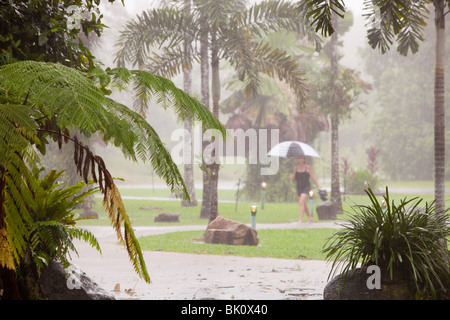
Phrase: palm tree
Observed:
(404, 22)
(343, 88)
(40, 101)
(335, 195)
(276, 108)
(159, 25)
(187, 87)
(219, 30)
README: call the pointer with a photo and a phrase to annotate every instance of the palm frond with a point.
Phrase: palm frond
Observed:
(216, 13)
(273, 16)
(151, 29)
(321, 12)
(170, 62)
(389, 19)
(251, 57)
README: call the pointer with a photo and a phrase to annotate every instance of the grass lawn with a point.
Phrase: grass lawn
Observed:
(277, 243)
(274, 243)
(142, 212)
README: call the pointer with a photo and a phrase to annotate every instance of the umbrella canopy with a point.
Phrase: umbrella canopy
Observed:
(292, 149)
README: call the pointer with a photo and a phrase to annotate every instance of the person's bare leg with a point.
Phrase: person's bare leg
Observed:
(302, 204)
(310, 219)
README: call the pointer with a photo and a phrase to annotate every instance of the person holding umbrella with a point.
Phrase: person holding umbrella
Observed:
(302, 174)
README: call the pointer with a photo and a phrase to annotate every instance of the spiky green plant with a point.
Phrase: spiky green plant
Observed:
(40, 101)
(403, 239)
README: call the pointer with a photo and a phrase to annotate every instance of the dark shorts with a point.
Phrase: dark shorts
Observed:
(304, 190)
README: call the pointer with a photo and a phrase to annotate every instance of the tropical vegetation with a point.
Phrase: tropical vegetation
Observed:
(403, 23)
(53, 90)
(44, 101)
(407, 240)
(216, 31)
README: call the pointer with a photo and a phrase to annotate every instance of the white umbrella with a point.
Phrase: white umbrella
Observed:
(292, 149)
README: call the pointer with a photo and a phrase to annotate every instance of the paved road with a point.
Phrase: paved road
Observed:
(178, 276)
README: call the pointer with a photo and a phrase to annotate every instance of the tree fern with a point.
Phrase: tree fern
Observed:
(46, 100)
(53, 227)
(17, 198)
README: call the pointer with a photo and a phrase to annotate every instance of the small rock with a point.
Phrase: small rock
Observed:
(167, 217)
(326, 211)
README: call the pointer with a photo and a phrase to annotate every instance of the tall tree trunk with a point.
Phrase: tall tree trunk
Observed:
(439, 107)
(215, 85)
(29, 285)
(204, 70)
(187, 87)
(188, 175)
(335, 177)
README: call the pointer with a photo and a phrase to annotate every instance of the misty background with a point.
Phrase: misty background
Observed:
(365, 128)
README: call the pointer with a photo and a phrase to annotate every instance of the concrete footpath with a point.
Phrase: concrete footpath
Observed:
(178, 276)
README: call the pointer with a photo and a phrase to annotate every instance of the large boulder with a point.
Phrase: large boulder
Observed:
(326, 211)
(72, 284)
(226, 231)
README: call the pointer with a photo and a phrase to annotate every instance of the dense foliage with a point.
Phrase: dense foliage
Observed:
(53, 30)
(57, 100)
(405, 240)
(45, 100)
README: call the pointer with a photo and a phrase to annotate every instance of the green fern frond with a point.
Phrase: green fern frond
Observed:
(42, 99)
(17, 219)
(150, 148)
(52, 230)
(16, 233)
(17, 129)
(56, 89)
(163, 91)
(86, 236)
(79, 103)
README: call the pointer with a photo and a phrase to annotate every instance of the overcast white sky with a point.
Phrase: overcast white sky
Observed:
(356, 36)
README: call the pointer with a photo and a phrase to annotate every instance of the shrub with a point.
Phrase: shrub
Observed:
(53, 226)
(279, 187)
(360, 180)
(404, 240)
